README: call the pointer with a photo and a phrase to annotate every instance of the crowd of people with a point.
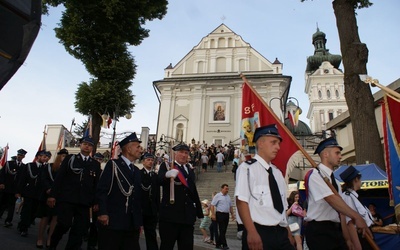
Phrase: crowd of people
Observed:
(111, 207)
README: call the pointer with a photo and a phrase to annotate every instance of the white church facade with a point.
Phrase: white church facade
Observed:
(324, 86)
(201, 96)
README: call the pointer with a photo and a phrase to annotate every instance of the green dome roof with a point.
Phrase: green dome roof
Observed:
(321, 53)
(318, 34)
(301, 129)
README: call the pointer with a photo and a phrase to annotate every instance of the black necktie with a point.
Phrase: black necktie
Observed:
(276, 195)
(334, 182)
(131, 167)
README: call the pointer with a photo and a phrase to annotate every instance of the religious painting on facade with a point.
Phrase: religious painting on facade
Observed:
(219, 110)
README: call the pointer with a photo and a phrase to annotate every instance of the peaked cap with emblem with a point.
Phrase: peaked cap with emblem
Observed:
(269, 130)
(87, 139)
(98, 156)
(148, 155)
(130, 138)
(63, 151)
(181, 146)
(21, 152)
(327, 143)
(349, 174)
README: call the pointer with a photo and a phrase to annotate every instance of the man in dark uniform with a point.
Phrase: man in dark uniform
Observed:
(29, 189)
(119, 198)
(177, 217)
(74, 190)
(9, 177)
(150, 201)
(92, 234)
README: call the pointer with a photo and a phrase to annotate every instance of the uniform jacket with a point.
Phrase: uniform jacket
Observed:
(47, 176)
(187, 202)
(112, 201)
(10, 175)
(76, 181)
(28, 185)
(150, 193)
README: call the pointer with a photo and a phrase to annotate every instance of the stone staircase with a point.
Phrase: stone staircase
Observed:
(211, 181)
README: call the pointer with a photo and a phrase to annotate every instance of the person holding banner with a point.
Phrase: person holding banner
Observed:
(326, 227)
(178, 213)
(352, 183)
(261, 196)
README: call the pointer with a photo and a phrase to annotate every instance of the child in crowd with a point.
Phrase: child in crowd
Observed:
(205, 222)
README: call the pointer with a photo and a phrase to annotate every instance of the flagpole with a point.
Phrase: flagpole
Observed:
(303, 151)
(375, 82)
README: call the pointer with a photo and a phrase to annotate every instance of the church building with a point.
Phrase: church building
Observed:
(324, 86)
(201, 95)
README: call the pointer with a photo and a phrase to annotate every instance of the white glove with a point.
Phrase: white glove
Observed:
(171, 173)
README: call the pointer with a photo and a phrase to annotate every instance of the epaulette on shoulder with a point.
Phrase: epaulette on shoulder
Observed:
(251, 161)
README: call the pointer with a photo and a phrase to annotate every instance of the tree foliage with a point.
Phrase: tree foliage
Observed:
(98, 33)
(359, 99)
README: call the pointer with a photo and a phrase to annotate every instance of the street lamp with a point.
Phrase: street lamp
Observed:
(294, 107)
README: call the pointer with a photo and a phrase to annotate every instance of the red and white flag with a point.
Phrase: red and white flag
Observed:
(256, 113)
(3, 159)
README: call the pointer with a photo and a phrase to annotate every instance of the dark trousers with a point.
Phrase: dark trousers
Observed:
(28, 213)
(324, 235)
(213, 230)
(223, 221)
(149, 226)
(118, 239)
(93, 234)
(74, 217)
(171, 232)
(8, 204)
(272, 237)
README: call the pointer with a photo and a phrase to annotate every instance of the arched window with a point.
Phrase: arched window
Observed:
(337, 93)
(319, 94)
(328, 94)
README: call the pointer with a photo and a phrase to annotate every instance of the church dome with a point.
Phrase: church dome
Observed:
(321, 53)
(318, 34)
(301, 129)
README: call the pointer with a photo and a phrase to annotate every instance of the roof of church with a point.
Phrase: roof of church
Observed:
(301, 129)
(321, 53)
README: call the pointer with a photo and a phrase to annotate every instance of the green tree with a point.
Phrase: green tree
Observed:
(98, 32)
(359, 99)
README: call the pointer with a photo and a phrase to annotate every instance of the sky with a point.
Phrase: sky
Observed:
(43, 90)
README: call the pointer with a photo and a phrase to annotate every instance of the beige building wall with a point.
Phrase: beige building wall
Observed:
(207, 79)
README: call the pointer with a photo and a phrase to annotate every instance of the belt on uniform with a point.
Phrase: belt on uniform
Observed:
(222, 212)
(326, 223)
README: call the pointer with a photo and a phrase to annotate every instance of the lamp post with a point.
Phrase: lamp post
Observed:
(290, 106)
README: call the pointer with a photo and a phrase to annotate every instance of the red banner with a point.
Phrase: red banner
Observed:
(391, 139)
(3, 159)
(256, 113)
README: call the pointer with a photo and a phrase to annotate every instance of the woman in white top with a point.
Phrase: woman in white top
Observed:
(352, 183)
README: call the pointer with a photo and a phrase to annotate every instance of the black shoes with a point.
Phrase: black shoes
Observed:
(7, 224)
(24, 233)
